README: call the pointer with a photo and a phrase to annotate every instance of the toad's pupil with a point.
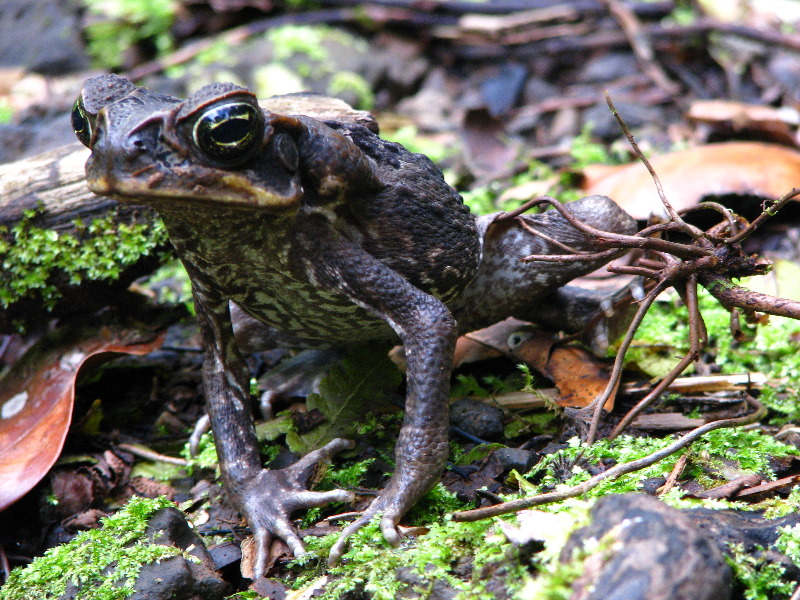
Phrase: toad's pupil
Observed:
(230, 131)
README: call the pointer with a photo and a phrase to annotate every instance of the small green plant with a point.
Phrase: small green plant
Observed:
(307, 40)
(206, 457)
(347, 82)
(118, 25)
(172, 285)
(788, 543)
(364, 378)
(32, 259)
(6, 111)
(586, 151)
(82, 561)
(302, 60)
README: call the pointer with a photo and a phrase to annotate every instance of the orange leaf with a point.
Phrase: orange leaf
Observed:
(687, 176)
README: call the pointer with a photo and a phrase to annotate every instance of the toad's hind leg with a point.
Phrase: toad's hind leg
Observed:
(505, 287)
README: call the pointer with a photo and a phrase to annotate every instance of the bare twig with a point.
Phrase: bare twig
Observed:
(596, 407)
(615, 471)
(697, 341)
(730, 296)
(610, 239)
(768, 212)
(640, 45)
(148, 454)
(723, 210)
(690, 230)
(672, 479)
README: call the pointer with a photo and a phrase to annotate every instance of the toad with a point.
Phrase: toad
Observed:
(323, 232)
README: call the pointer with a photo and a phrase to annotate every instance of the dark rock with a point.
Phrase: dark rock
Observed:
(477, 418)
(651, 485)
(634, 114)
(42, 36)
(421, 587)
(28, 139)
(608, 66)
(750, 529)
(655, 552)
(514, 458)
(501, 91)
(175, 578)
(169, 527)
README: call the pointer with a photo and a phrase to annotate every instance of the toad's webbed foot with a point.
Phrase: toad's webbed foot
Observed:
(413, 477)
(269, 498)
(390, 519)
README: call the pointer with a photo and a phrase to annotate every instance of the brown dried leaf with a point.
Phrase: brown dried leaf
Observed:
(737, 117)
(37, 394)
(687, 176)
(487, 151)
(578, 375)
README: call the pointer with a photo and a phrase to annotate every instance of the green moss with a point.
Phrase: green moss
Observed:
(762, 578)
(33, 259)
(118, 544)
(118, 25)
(410, 137)
(373, 567)
(664, 334)
(745, 450)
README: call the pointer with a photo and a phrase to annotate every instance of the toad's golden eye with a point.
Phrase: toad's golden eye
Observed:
(229, 133)
(81, 124)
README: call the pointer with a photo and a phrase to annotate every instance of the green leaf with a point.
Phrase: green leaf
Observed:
(358, 386)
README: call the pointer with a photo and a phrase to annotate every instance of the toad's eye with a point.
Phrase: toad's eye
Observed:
(81, 124)
(230, 132)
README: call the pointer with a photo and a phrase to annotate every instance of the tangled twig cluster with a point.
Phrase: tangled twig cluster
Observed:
(712, 259)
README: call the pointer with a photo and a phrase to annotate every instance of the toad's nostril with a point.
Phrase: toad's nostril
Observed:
(134, 146)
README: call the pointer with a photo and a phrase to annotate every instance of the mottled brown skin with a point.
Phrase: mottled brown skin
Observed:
(330, 234)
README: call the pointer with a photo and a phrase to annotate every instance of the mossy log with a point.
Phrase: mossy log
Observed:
(63, 249)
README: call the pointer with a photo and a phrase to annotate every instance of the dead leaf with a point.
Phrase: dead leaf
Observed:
(482, 344)
(37, 395)
(779, 123)
(487, 151)
(469, 350)
(578, 375)
(687, 176)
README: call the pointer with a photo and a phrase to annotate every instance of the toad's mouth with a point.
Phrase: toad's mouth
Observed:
(197, 186)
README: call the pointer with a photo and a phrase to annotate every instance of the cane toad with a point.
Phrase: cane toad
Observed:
(325, 232)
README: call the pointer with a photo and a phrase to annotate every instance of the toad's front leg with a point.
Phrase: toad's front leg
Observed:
(267, 498)
(428, 333)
